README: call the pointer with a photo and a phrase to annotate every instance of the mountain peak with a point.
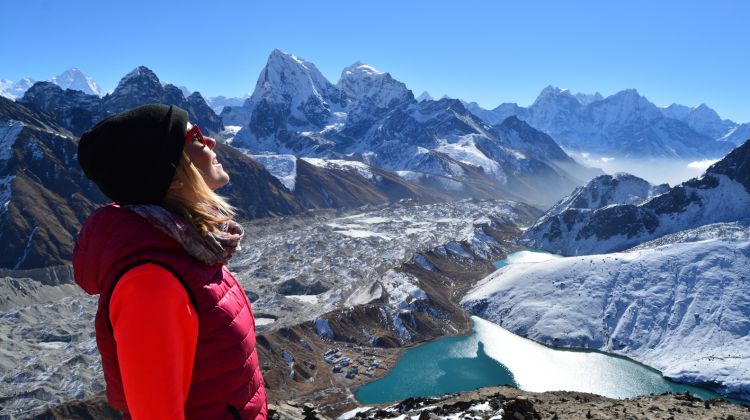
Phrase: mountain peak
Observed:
(628, 93)
(137, 87)
(279, 59)
(360, 69)
(75, 79)
(362, 81)
(137, 73)
(554, 94)
(293, 86)
(705, 111)
(425, 96)
(553, 90)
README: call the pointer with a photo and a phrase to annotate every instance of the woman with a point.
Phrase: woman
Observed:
(174, 328)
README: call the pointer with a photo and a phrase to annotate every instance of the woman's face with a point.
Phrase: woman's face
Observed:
(203, 157)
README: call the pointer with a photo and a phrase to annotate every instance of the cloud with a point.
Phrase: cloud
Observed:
(702, 164)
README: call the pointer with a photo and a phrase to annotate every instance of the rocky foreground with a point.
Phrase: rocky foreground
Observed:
(511, 403)
(484, 404)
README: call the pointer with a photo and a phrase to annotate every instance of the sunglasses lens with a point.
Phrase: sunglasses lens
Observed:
(195, 135)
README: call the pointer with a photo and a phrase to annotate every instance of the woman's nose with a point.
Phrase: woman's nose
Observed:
(210, 142)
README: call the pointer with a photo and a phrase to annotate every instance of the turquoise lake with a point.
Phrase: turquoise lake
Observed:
(491, 355)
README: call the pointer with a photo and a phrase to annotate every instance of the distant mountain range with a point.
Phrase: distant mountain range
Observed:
(72, 78)
(370, 117)
(78, 111)
(301, 142)
(624, 125)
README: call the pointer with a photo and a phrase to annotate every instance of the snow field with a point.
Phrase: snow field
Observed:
(680, 307)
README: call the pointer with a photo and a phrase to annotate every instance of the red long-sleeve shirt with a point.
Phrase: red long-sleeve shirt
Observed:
(156, 331)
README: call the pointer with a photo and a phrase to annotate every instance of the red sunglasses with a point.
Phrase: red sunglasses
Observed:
(195, 134)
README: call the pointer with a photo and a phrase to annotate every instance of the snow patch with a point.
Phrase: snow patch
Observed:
(9, 131)
(6, 184)
(361, 233)
(402, 289)
(282, 167)
(309, 299)
(263, 321)
(362, 169)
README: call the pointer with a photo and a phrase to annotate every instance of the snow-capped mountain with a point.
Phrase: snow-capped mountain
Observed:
(606, 190)
(721, 194)
(11, 90)
(217, 103)
(75, 79)
(678, 304)
(78, 111)
(701, 119)
(291, 91)
(623, 125)
(372, 92)
(371, 117)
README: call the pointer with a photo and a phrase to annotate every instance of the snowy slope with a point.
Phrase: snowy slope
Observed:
(679, 305)
(362, 169)
(283, 167)
(738, 135)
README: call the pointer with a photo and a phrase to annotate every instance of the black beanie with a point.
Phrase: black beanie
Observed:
(133, 156)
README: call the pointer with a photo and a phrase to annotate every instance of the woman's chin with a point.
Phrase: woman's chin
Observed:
(219, 182)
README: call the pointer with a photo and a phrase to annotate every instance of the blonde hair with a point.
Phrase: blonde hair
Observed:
(205, 213)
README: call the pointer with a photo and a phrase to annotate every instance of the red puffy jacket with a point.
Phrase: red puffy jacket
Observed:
(226, 378)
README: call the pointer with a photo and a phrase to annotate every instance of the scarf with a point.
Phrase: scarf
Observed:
(212, 249)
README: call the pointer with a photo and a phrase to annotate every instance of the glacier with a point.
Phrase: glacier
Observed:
(678, 304)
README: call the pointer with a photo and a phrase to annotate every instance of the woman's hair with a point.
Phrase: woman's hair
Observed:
(205, 213)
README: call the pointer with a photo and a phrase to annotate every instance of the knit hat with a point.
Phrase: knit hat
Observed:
(133, 156)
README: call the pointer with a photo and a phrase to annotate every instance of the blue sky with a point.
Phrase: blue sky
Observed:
(689, 52)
